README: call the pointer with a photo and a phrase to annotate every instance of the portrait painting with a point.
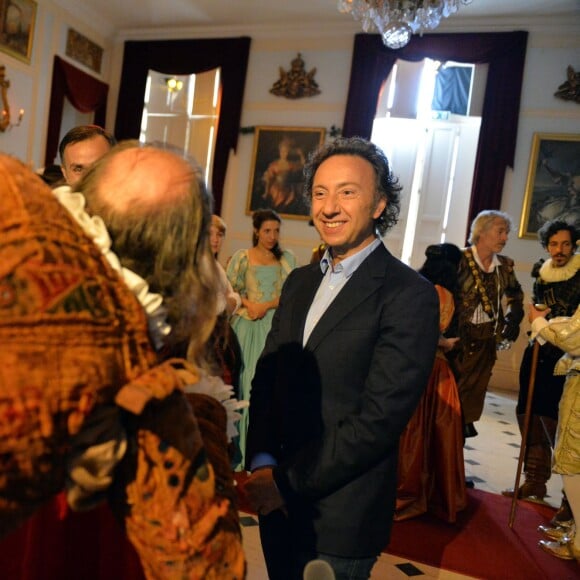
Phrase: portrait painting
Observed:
(17, 27)
(553, 184)
(276, 179)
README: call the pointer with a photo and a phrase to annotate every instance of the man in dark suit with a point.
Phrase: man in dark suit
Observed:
(349, 354)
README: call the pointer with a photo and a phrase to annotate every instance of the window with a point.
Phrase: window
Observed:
(423, 125)
(183, 110)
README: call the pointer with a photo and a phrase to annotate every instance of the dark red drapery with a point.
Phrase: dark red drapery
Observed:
(181, 57)
(86, 93)
(504, 52)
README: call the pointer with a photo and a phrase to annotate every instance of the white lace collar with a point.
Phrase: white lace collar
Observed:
(550, 274)
(95, 228)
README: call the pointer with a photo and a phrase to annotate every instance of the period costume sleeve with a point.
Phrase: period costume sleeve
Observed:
(226, 292)
(562, 331)
(446, 307)
(236, 271)
(288, 263)
(514, 299)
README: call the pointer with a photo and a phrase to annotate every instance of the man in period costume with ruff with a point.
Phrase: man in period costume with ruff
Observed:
(557, 285)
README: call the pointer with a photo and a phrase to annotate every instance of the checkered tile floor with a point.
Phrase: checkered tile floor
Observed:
(490, 462)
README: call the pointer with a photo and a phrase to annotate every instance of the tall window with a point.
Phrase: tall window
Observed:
(183, 110)
(427, 126)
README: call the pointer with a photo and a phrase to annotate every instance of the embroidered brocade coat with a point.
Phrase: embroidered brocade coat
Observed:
(510, 293)
(564, 333)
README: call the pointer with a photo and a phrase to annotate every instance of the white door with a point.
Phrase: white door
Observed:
(434, 162)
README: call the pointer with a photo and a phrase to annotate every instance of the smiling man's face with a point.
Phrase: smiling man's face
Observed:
(344, 204)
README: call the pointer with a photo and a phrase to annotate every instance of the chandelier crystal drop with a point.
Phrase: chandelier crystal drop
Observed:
(398, 20)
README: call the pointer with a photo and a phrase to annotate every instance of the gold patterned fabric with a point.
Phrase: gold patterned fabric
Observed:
(74, 337)
(71, 335)
(431, 474)
(564, 332)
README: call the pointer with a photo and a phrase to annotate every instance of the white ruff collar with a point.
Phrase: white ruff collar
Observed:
(95, 228)
(550, 274)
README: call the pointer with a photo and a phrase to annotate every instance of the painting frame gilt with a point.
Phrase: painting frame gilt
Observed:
(84, 50)
(276, 178)
(553, 182)
(17, 21)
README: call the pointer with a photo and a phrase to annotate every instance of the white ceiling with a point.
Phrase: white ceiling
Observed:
(119, 15)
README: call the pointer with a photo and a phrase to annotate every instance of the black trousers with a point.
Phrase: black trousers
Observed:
(286, 550)
(547, 387)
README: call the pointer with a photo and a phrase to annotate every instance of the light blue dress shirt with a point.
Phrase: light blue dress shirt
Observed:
(332, 283)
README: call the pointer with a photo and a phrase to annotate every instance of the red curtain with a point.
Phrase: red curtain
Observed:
(57, 544)
(182, 57)
(86, 93)
(504, 52)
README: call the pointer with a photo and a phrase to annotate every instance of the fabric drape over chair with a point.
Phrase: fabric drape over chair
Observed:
(504, 52)
(86, 93)
(183, 57)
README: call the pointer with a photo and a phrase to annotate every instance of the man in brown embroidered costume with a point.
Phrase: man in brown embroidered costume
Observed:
(486, 279)
(79, 371)
(557, 285)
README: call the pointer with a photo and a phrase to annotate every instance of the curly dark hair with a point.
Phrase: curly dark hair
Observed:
(553, 227)
(387, 184)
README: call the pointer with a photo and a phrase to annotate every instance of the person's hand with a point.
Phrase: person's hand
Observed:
(535, 312)
(262, 492)
(261, 309)
(448, 344)
(255, 310)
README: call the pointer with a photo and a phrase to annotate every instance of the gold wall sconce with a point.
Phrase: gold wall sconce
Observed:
(5, 124)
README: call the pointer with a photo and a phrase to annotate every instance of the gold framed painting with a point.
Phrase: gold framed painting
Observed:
(276, 179)
(553, 183)
(84, 50)
(17, 19)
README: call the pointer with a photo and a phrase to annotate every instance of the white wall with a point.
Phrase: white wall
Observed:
(331, 57)
(547, 58)
(551, 48)
(541, 112)
(30, 82)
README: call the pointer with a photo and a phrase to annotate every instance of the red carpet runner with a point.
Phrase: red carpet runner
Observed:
(480, 544)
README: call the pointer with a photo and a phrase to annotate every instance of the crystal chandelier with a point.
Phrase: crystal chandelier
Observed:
(397, 20)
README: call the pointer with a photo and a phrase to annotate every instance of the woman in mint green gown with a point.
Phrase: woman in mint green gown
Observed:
(257, 275)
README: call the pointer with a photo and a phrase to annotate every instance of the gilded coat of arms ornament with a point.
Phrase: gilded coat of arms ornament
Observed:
(296, 83)
(570, 89)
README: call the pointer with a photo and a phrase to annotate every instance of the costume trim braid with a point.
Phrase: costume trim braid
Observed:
(485, 301)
